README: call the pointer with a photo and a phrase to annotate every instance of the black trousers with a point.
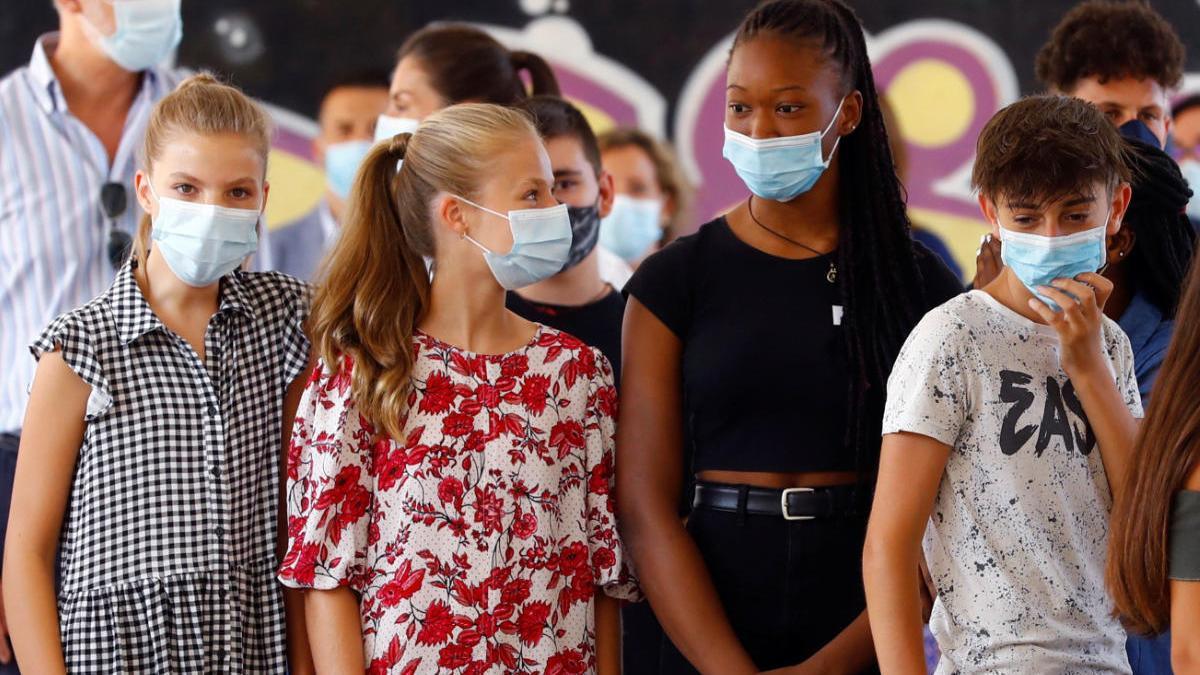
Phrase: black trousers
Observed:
(788, 587)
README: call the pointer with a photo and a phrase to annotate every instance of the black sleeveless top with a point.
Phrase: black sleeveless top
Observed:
(766, 379)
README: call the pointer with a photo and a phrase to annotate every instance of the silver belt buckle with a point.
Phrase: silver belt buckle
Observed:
(783, 503)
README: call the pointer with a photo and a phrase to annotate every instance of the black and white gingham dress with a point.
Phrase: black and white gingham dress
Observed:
(168, 549)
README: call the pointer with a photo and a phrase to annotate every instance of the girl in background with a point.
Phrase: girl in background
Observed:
(151, 452)
(451, 466)
(653, 195)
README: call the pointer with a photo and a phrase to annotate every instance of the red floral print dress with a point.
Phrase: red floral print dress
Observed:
(476, 544)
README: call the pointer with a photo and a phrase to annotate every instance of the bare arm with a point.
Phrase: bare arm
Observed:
(608, 634)
(50, 440)
(335, 631)
(1078, 324)
(299, 656)
(649, 482)
(910, 470)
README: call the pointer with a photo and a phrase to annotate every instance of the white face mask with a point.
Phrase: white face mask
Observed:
(203, 242)
(541, 245)
(147, 32)
(387, 126)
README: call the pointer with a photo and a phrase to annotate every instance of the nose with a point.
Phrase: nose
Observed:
(762, 125)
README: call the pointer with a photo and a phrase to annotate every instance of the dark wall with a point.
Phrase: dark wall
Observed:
(305, 40)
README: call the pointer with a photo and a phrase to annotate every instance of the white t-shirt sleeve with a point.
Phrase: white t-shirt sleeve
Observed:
(927, 391)
(1126, 378)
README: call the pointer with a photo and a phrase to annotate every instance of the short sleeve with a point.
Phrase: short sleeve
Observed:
(330, 487)
(611, 567)
(68, 336)
(927, 391)
(297, 346)
(1126, 375)
(1184, 543)
(662, 283)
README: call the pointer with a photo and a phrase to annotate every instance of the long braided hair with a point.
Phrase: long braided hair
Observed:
(1162, 252)
(882, 289)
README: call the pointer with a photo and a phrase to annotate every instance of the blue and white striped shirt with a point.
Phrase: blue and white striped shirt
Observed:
(53, 231)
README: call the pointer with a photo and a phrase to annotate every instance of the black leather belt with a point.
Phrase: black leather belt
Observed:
(790, 504)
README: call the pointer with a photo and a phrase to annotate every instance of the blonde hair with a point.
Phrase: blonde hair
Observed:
(374, 284)
(201, 104)
(671, 179)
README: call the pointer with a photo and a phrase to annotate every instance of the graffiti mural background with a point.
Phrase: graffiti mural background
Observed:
(945, 66)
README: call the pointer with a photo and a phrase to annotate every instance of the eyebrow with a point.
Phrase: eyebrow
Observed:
(776, 90)
(564, 173)
(187, 177)
(1078, 201)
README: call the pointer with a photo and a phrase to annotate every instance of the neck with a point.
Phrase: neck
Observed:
(579, 285)
(167, 295)
(811, 217)
(466, 309)
(1122, 292)
(85, 73)
(337, 206)
(1008, 290)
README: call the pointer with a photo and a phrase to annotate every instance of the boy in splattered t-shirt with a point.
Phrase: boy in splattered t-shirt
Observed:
(1010, 420)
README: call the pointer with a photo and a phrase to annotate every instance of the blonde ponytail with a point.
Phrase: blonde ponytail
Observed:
(374, 287)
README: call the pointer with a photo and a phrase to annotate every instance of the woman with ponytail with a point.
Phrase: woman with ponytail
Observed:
(450, 475)
(151, 457)
(766, 339)
(445, 64)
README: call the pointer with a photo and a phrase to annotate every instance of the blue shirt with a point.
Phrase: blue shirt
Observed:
(1149, 335)
(298, 247)
(53, 231)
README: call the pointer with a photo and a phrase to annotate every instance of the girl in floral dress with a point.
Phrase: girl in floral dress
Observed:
(450, 475)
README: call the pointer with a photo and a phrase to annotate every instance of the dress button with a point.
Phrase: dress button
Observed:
(212, 410)
(220, 532)
(216, 472)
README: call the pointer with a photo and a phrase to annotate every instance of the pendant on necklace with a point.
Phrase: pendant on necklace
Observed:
(831, 275)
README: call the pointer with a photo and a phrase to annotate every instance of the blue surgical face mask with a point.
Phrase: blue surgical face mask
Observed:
(633, 226)
(1038, 260)
(781, 168)
(203, 242)
(147, 31)
(1191, 173)
(387, 126)
(541, 245)
(341, 164)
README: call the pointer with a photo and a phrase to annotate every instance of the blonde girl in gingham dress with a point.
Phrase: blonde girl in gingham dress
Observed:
(151, 449)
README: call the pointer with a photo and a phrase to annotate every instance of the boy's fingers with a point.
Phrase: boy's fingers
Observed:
(1085, 293)
(1068, 306)
(1103, 286)
(1048, 315)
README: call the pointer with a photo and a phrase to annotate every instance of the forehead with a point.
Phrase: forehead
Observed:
(409, 75)
(213, 155)
(354, 99)
(1090, 193)
(565, 152)
(1128, 92)
(525, 159)
(769, 61)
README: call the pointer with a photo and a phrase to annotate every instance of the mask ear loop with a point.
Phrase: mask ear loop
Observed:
(833, 150)
(471, 239)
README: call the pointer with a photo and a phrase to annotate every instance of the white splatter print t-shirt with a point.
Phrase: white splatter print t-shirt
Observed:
(1017, 538)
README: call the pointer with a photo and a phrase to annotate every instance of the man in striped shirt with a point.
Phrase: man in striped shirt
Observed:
(71, 124)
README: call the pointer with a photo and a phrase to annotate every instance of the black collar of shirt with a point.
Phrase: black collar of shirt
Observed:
(133, 315)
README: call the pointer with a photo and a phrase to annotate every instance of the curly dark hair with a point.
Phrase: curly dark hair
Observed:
(1108, 40)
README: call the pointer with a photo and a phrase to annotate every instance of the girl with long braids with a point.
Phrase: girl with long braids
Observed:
(766, 339)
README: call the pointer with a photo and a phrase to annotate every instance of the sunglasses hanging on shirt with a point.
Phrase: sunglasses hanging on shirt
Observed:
(113, 201)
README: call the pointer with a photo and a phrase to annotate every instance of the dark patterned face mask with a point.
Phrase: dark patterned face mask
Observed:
(585, 232)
